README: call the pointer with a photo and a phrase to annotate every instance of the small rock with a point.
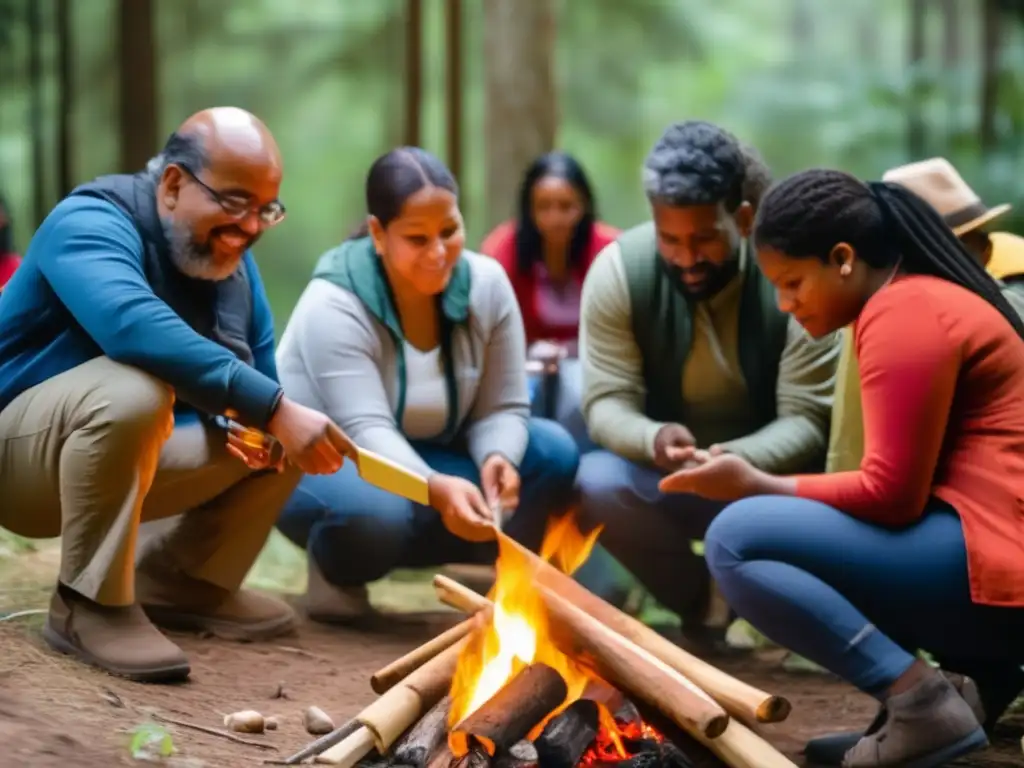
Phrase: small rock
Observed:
(270, 723)
(317, 722)
(246, 721)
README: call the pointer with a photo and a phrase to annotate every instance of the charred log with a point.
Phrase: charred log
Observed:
(522, 754)
(415, 748)
(511, 713)
(566, 737)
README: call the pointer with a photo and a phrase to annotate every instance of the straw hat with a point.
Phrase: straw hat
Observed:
(937, 182)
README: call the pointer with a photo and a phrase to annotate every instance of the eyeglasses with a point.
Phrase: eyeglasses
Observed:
(237, 207)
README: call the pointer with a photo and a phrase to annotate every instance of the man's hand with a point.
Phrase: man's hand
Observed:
(669, 446)
(254, 448)
(500, 482)
(311, 441)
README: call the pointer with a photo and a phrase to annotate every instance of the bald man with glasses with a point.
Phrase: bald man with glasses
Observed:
(137, 323)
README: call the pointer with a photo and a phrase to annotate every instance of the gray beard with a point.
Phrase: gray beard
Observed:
(191, 258)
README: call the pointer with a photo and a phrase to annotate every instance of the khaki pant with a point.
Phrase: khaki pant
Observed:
(91, 454)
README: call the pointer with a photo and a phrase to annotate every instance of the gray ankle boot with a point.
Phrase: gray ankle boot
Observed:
(926, 726)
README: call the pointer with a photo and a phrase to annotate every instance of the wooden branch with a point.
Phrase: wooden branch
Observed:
(567, 735)
(617, 659)
(389, 716)
(324, 743)
(385, 678)
(738, 698)
(740, 747)
(422, 740)
(213, 732)
(508, 715)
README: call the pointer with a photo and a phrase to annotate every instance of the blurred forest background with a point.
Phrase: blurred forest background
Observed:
(93, 86)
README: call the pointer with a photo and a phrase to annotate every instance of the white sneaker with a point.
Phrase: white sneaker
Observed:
(329, 604)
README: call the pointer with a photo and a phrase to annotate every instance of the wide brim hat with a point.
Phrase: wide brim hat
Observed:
(937, 182)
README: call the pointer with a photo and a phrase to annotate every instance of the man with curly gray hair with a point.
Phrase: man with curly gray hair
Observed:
(685, 351)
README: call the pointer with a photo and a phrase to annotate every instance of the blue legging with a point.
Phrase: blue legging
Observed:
(858, 598)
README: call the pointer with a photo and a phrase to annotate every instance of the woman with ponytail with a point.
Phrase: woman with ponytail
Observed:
(922, 547)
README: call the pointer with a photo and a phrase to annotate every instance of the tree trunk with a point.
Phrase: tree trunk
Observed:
(138, 83)
(65, 99)
(519, 83)
(916, 140)
(413, 71)
(453, 85)
(36, 116)
(991, 42)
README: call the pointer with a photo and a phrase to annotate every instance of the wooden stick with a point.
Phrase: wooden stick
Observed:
(508, 715)
(351, 750)
(213, 732)
(324, 743)
(738, 698)
(387, 677)
(389, 716)
(616, 659)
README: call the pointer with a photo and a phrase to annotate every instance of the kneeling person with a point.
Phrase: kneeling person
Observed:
(683, 345)
(137, 315)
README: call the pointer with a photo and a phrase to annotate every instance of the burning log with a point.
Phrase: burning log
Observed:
(739, 698)
(476, 757)
(509, 714)
(423, 739)
(385, 678)
(616, 658)
(567, 735)
(522, 754)
(386, 719)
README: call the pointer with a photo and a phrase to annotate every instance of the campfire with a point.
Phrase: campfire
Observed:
(544, 674)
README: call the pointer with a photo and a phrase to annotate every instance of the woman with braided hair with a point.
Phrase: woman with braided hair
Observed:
(923, 546)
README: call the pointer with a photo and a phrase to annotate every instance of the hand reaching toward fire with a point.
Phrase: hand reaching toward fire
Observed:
(500, 482)
(715, 475)
(462, 507)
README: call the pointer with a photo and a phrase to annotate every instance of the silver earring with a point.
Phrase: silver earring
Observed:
(845, 270)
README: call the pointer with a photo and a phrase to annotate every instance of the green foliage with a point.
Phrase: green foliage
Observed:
(150, 740)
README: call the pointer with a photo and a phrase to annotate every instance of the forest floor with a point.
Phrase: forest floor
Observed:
(55, 712)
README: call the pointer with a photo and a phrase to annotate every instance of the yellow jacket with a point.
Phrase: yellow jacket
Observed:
(846, 439)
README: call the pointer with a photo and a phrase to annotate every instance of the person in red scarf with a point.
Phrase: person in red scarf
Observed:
(546, 253)
(9, 259)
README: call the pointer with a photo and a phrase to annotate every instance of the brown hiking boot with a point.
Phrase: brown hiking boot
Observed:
(926, 726)
(175, 601)
(118, 640)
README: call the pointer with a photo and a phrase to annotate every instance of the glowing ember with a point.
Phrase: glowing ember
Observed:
(518, 634)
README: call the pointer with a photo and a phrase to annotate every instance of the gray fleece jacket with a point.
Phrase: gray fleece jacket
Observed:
(342, 353)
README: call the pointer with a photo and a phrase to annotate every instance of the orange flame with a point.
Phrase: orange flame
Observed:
(518, 632)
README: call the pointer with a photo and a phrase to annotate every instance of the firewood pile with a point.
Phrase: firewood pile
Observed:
(645, 703)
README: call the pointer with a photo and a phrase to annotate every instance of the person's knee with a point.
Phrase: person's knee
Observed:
(359, 548)
(604, 487)
(133, 403)
(552, 456)
(728, 536)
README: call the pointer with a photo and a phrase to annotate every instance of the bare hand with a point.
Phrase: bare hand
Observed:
(462, 508)
(254, 448)
(669, 445)
(500, 482)
(725, 477)
(311, 441)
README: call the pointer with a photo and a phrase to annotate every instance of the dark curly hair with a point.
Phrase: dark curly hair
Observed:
(699, 163)
(809, 213)
(395, 177)
(528, 239)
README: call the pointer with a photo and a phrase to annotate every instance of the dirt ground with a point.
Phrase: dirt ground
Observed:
(55, 713)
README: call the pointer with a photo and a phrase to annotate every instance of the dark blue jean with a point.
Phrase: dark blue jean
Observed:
(358, 533)
(859, 598)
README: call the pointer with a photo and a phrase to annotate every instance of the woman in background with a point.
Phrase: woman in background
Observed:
(9, 259)
(921, 546)
(414, 346)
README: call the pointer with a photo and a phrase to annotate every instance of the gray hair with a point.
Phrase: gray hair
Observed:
(699, 163)
(182, 149)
